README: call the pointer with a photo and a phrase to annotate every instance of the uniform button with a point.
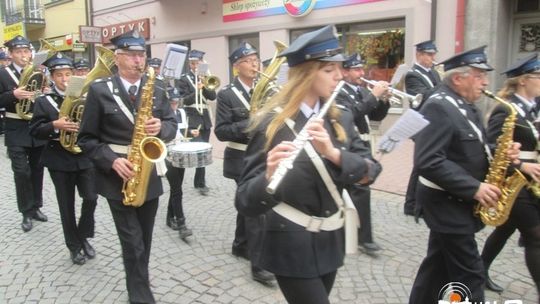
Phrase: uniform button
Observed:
(342, 148)
(449, 197)
(281, 226)
(470, 135)
(460, 200)
(263, 203)
(327, 212)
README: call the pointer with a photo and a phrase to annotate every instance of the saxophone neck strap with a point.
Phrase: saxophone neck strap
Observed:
(52, 102)
(120, 103)
(12, 75)
(241, 97)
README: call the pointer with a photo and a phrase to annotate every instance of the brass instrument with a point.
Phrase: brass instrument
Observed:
(73, 106)
(266, 87)
(145, 150)
(398, 96)
(300, 141)
(509, 186)
(209, 81)
(33, 80)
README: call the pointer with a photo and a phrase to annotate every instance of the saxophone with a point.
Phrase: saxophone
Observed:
(73, 106)
(145, 150)
(509, 186)
(266, 86)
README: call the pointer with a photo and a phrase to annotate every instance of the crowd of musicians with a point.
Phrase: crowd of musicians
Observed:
(290, 156)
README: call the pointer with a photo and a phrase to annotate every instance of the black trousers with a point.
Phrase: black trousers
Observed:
(200, 180)
(175, 176)
(450, 258)
(64, 184)
(135, 227)
(28, 174)
(410, 196)
(361, 197)
(302, 291)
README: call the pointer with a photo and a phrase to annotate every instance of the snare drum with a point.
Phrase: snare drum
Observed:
(190, 154)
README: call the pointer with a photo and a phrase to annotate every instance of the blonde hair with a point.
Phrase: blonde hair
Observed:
(510, 86)
(290, 98)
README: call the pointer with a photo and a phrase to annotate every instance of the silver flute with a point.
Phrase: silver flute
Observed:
(300, 141)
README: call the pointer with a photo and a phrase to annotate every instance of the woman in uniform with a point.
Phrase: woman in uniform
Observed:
(304, 252)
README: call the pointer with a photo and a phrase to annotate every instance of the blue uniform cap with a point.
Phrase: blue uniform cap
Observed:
(527, 65)
(427, 46)
(174, 94)
(131, 41)
(321, 45)
(81, 64)
(475, 58)
(58, 61)
(154, 62)
(353, 61)
(3, 56)
(245, 49)
(17, 42)
(196, 55)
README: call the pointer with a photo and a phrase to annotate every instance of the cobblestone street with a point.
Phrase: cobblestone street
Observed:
(35, 267)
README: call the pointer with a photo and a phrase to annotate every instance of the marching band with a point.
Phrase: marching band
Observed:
(294, 156)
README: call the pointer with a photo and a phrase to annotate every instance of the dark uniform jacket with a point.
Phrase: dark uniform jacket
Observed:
(361, 104)
(17, 131)
(289, 249)
(419, 81)
(523, 133)
(449, 153)
(187, 89)
(54, 156)
(232, 118)
(104, 123)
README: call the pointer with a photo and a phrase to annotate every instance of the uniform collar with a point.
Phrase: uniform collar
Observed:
(308, 111)
(128, 84)
(422, 67)
(244, 86)
(528, 103)
(59, 92)
(17, 67)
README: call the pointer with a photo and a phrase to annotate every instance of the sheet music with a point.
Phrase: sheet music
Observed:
(282, 76)
(75, 86)
(173, 64)
(410, 123)
(401, 71)
(40, 57)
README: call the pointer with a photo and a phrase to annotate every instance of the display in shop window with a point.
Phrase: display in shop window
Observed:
(530, 37)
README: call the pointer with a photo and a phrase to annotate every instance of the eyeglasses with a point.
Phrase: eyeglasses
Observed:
(250, 61)
(133, 54)
(534, 76)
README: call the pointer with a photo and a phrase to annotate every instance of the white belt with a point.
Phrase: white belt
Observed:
(12, 115)
(312, 223)
(365, 137)
(236, 146)
(528, 155)
(429, 184)
(202, 106)
(120, 149)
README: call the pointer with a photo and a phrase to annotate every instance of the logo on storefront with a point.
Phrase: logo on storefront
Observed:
(297, 8)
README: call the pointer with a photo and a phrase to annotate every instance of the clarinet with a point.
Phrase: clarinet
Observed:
(300, 141)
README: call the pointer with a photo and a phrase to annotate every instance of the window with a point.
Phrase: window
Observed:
(527, 6)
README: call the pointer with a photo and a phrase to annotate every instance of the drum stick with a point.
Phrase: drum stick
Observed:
(199, 127)
(187, 127)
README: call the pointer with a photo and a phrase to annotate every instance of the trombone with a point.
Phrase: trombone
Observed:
(398, 96)
(208, 80)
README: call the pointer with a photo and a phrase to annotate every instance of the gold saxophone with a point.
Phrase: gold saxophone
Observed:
(33, 80)
(73, 106)
(509, 186)
(145, 150)
(266, 87)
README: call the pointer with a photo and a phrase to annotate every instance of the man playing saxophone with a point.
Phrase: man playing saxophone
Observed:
(67, 170)
(452, 157)
(23, 150)
(106, 131)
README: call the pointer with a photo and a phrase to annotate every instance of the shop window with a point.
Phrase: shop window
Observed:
(527, 6)
(234, 43)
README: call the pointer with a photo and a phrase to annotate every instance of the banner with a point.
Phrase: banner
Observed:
(235, 10)
(13, 30)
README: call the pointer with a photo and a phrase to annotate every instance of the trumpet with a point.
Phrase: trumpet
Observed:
(398, 96)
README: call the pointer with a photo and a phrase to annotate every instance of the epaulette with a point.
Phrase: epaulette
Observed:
(160, 77)
(103, 79)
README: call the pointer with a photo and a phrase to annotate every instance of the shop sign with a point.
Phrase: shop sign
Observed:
(235, 10)
(90, 34)
(13, 30)
(79, 47)
(141, 25)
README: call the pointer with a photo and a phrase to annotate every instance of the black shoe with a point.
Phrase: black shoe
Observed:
(493, 286)
(184, 232)
(370, 248)
(262, 276)
(172, 223)
(240, 252)
(77, 257)
(203, 190)
(88, 250)
(521, 241)
(39, 216)
(26, 224)
(408, 211)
